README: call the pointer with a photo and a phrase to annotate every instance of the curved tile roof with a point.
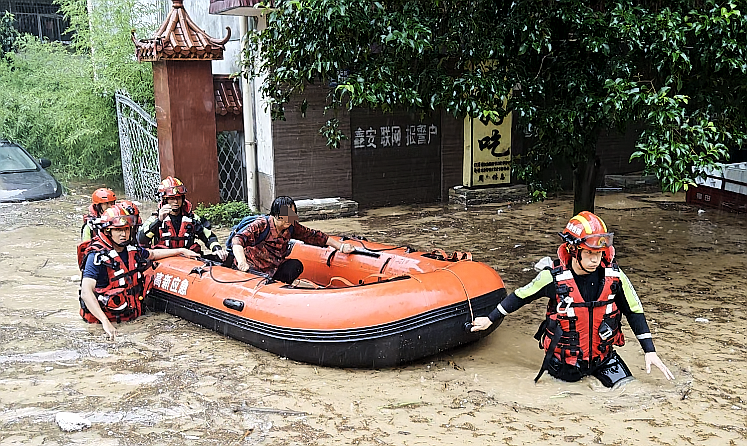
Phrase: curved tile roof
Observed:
(179, 38)
(227, 95)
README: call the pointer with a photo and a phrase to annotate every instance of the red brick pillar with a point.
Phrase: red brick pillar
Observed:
(185, 114)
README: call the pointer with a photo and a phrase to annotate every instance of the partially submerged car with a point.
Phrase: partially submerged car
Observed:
(22, 177)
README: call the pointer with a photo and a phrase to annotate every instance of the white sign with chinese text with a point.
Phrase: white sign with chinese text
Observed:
(487, 152)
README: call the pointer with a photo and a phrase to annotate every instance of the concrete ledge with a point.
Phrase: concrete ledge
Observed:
(497, 194)
(323, 208)
(630, 181)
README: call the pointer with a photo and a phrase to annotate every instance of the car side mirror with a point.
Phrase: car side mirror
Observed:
(44, 163)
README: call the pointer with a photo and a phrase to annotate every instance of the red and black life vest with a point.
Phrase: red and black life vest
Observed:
(121, 298)
(88, 219)
(577, 332)
(183, 236)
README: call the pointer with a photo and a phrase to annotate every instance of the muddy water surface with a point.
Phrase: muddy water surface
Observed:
(166, 381)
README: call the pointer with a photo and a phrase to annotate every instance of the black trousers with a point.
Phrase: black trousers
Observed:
(610, 371)
(288, 271)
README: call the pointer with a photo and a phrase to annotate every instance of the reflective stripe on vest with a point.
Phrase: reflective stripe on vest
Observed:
(121, 298)
(181, 237)
(580, 321)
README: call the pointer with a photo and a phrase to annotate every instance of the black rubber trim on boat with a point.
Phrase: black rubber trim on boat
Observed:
(331, 255)
(381, 271)
(479, 304)
(385, 345)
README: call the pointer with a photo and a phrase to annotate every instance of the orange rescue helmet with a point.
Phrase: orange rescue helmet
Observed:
(171, 187)
(586, 231)
(103, 195)
(117, 217)
(131, 209)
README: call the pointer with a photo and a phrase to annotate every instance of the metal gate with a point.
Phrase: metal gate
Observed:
(138, 141)
(141, 169)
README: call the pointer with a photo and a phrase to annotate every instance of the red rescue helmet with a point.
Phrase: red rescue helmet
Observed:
(103, 195)
(131, 209)
(171, 187)
(586, 231)
(117, 217)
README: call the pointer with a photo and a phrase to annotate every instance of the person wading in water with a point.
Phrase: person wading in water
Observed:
(588, 296)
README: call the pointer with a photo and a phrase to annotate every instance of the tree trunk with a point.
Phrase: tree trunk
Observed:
(585, 180)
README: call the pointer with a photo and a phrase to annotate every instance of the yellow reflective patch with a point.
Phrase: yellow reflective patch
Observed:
(583, 221)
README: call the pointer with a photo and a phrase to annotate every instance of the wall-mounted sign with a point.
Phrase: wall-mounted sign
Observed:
(396, 157)
(383, 134)
(487, 152)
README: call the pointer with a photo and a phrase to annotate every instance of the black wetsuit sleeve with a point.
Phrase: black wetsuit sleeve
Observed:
(148, 234)
(629, 304)
(637, 322)
(203, 228)
(542, 286)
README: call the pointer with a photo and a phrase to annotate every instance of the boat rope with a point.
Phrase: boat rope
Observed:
(377, 276)
(382, 249)
(265, 277)
(466, 294)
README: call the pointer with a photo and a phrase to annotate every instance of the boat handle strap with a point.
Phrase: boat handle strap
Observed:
(365, 252)
(339, 279)
(357, 250)
(329, 258)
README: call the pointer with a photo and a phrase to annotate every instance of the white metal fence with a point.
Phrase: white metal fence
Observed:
(138, 142)
(141, 169)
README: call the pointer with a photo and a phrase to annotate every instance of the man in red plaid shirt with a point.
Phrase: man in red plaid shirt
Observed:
(267, 254)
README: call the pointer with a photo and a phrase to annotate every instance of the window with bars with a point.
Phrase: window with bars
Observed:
(39, 18)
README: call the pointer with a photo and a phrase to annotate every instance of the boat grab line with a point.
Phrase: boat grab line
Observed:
(466, 294)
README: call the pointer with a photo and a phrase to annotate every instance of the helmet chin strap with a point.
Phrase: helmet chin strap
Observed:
(115, 243)
(577, 256)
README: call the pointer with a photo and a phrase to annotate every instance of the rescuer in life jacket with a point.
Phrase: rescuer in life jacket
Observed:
(588, 296)
(101, 200)
(112, 285)
(174, 225)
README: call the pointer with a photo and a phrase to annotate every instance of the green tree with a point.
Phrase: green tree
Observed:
(104, 35)
(48, 104)
(567, 69)
(8, 34)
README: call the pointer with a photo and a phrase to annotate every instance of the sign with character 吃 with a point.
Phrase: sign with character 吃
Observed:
(487, 152)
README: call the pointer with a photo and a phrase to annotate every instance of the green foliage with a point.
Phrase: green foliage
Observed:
(58, 101)
(567, 69)
(332, 132)
(8, 34)
(107, 41)
(49, 105)
(227, 214)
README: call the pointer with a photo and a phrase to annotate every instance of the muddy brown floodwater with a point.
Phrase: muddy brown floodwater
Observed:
(165, 381)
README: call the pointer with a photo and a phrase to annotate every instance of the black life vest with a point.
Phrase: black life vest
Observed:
(121, 298)
(183, 236)
(577, 332)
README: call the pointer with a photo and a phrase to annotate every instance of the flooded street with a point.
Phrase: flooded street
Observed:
(166, 381)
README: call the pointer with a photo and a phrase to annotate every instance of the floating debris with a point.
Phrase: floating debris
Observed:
(70, 422)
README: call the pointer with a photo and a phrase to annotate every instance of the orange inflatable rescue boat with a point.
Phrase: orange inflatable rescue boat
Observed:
(380, 306)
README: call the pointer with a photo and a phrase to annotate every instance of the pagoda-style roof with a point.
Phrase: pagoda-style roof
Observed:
(179, 38)
(227, 95)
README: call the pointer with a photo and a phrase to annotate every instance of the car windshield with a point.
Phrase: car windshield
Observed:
(14, 159)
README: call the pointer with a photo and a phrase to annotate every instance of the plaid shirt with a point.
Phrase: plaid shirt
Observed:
(267, 255)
